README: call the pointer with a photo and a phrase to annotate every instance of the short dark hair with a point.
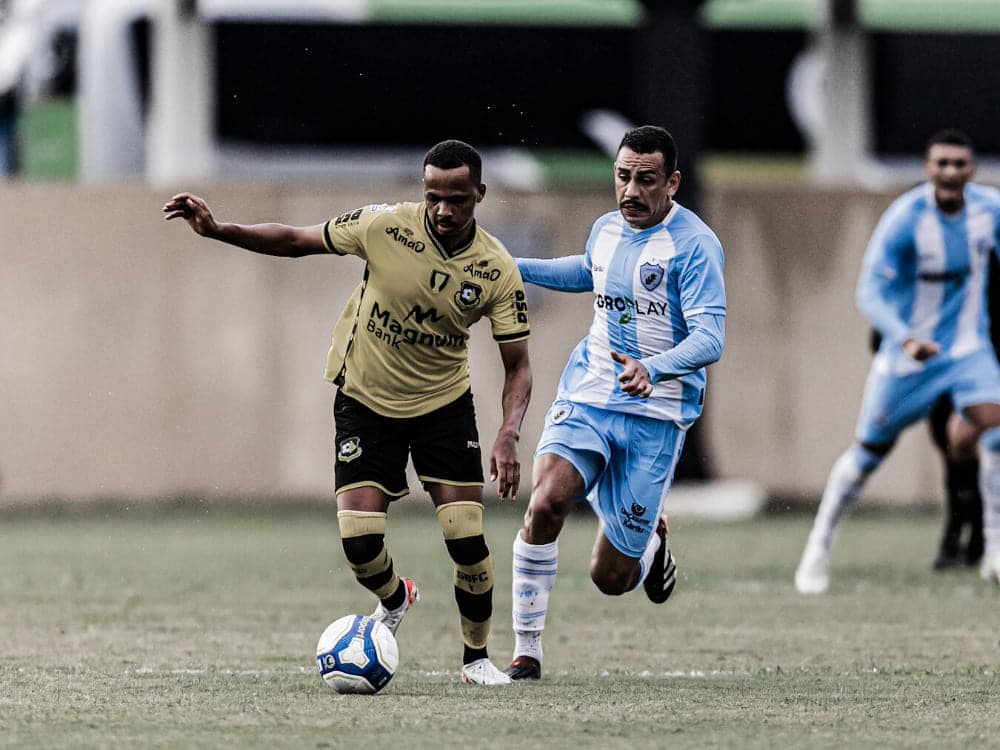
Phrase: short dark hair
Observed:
(950, 137)
(647, 139)
(452, 154)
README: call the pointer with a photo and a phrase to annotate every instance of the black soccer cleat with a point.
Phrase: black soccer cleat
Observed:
(948, 551)
(524, 668)
(973, 551)
(662, 576)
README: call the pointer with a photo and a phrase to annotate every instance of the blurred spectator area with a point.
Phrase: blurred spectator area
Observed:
(294, 79)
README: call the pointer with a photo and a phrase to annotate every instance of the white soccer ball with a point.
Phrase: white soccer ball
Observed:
(357, 654)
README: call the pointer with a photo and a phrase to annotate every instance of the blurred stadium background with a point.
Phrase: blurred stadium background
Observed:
(139, 362)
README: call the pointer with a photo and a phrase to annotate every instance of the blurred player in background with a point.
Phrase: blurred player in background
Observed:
(400, 359)
(629, 391)
(962, 537)
(923, 287)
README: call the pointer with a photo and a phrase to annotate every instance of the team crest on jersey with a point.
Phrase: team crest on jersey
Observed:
(560, 413)
(469, 295)
(349, 449)
(651, 274)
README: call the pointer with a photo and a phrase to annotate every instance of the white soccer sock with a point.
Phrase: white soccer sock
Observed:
(647, 558)
(847, 479)
(989, 487)
(528, 644)
(534, 574)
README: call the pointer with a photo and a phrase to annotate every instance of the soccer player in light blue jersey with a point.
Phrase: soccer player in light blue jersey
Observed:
(923, 287)
(629, 391)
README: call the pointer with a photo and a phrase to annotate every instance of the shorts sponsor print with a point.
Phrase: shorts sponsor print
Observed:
(627, 463)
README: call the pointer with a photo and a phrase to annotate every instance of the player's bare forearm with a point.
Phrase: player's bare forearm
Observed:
(505, 466)
(514, 400)
(268, 239)
(278, 240)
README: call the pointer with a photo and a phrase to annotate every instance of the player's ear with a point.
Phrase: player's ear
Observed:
(673, 182)
(928, 166)
(480, 192)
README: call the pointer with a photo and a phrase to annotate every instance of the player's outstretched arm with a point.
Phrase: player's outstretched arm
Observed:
(505, 466)
(268, 239)
(566, 274)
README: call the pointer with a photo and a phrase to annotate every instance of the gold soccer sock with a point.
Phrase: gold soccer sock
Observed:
(363, 537)
(462, 526)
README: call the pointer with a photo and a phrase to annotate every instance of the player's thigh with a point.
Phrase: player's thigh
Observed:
(632, 492)
(892, 402)
(579, 434)
(557, 486)
(371, 450)
(976, 388)
(445, 448)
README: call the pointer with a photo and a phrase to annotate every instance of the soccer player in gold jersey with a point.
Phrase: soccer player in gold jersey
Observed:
(400, 360)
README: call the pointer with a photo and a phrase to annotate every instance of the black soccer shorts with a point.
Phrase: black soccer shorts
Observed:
(372, 450)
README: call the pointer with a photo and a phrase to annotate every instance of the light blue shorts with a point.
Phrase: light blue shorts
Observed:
(627, 463)
(893, 402)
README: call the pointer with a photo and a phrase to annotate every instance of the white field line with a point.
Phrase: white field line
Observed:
(644, 674)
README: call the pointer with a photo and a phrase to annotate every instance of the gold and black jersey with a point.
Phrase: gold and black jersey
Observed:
(401, 344)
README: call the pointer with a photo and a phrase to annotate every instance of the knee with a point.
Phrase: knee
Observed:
(469, 550)
(611, 582)
(362, 549)
(542, 513)
(962, 439)
(961, 450)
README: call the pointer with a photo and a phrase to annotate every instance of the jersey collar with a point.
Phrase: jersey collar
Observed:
(656, 227)
(445, 252)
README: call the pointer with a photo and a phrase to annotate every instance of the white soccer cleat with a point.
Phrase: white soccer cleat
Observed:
(813, 575)
(989, 568)
(483, 672)
(392, 618)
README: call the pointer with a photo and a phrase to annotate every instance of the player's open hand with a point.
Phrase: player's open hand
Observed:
(505, 468)
(193, 210)
(635, 377)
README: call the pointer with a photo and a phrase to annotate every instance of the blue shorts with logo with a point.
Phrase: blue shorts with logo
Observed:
(627, 463)
(897, 396)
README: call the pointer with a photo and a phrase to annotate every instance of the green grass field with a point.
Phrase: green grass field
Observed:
(132, 629)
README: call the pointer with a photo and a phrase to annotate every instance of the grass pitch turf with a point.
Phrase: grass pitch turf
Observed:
(198, 630)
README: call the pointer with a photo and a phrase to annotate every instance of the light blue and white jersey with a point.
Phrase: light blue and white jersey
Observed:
(925, 275)
(647, 285)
